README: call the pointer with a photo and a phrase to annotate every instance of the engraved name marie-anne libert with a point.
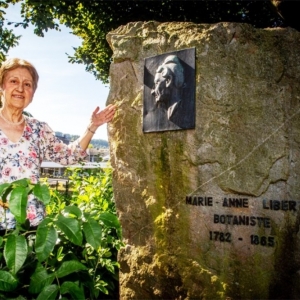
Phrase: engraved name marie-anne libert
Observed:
(286, 205)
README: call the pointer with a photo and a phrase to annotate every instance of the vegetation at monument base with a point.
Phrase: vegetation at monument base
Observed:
(73, 252)
(92, 20)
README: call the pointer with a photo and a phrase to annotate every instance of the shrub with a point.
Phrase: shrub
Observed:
(73, 252)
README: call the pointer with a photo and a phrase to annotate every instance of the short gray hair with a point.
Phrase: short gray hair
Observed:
(172, 66)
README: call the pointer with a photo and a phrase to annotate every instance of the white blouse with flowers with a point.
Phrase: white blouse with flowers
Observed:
(23, 160)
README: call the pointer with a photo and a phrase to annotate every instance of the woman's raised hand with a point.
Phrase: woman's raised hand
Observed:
(100, 117)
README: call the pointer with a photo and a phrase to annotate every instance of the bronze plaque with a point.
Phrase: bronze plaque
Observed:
(169, 91)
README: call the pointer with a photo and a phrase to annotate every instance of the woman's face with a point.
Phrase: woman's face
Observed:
(17, 89)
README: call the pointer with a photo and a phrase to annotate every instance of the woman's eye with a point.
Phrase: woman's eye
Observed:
(28, 84)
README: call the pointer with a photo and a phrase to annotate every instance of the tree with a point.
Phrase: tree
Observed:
(92, 20)
(7, 38)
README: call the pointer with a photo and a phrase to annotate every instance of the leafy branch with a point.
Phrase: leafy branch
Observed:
(73, 251)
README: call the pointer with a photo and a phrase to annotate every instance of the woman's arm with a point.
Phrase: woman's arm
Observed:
(99, 117)
(54, 149)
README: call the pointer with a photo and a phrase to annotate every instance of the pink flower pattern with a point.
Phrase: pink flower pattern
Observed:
(23, 159)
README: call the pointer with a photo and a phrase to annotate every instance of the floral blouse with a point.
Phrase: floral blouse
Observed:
(23, 160)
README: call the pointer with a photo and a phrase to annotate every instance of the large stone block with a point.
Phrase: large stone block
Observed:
(211, 212)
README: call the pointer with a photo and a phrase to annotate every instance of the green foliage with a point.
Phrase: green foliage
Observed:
(73, 252)
(99, 143)
(92, 20)
(8, 39)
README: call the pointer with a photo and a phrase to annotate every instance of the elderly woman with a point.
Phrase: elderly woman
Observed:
(25, 141)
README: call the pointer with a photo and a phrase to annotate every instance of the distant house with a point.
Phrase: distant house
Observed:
(97, 154)
(106, 158)
(94, 154)
(92, 160)
(96, 158)
(52, 169)
(62, 137)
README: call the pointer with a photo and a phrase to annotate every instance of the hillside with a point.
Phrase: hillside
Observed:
(97, 143)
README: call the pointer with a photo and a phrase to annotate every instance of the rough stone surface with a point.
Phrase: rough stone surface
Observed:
(246, 145)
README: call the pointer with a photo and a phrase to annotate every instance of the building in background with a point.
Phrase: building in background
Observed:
(96, 158)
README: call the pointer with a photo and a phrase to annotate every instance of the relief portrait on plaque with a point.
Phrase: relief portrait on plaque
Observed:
(169, 91)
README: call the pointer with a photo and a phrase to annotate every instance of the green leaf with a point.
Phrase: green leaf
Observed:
(39, 280)
(46, 238)
(3, 187)
(20, 298)
(21, 182)
(92, 231)
(18, 203)
(69, 267)
(71, 228)
(109, 266)
(41, 191)
(59, 254)
(109, 220)
(73, 289)
(7, 281)
(15, 252)
(101, 285)
(74, 210)
(6, 192)
(48, 293)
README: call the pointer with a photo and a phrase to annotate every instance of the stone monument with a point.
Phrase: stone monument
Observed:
(210, 212)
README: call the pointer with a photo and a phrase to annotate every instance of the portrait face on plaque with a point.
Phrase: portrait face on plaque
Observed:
(169, 91)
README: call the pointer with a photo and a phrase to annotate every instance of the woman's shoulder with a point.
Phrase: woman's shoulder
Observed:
(33, 121)
(36, 124)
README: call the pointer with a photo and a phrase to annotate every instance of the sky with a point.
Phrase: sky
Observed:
(66, 95)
